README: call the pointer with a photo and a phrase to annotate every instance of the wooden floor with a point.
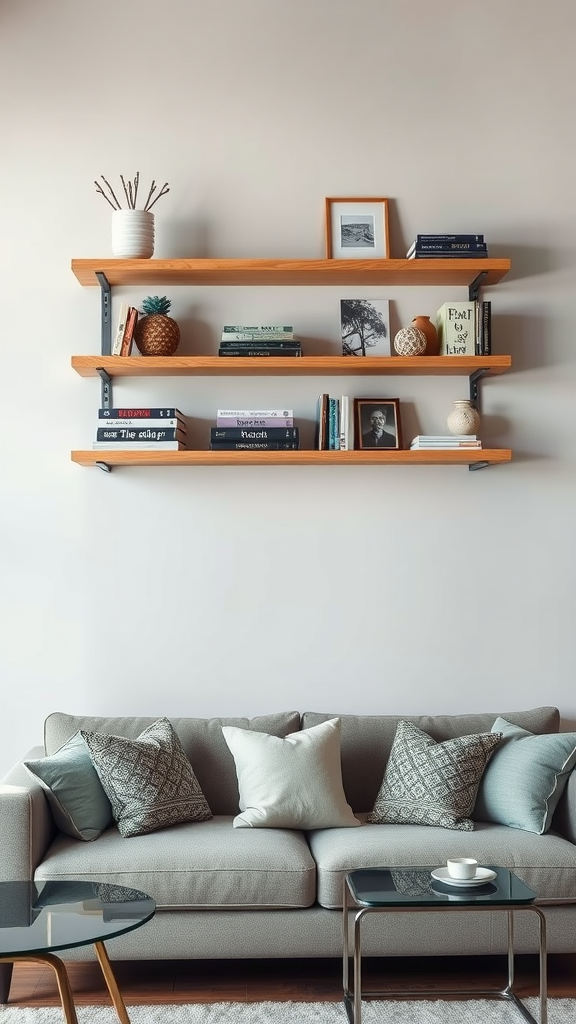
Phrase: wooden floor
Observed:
(208, 981)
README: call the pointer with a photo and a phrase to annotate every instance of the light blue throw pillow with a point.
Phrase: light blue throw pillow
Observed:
(525, 778)
(74, 792)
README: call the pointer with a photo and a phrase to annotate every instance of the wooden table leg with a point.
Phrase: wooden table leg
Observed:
(64, 989)
(111, 983)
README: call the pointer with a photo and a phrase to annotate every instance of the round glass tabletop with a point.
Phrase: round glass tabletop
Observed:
(40, 917)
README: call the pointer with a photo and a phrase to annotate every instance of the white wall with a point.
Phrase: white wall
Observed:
(245, 590)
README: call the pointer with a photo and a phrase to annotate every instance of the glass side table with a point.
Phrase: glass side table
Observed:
(409, 890)
(39, 918)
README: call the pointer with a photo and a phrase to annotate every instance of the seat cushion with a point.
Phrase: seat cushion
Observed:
(200, 864)
(547, 864)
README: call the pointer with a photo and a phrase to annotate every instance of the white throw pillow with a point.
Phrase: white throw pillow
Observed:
(294, 782)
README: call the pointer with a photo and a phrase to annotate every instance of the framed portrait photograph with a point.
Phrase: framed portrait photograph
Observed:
(365, 327)
(357, 229)
(377, 423)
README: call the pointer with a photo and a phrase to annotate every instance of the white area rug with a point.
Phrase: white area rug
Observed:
(477, 1011)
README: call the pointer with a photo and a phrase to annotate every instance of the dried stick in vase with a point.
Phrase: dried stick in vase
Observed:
(111, 190)
(102, 193)
(161, 193)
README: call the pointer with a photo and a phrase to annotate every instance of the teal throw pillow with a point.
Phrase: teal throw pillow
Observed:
(74, 792)
(525, 778)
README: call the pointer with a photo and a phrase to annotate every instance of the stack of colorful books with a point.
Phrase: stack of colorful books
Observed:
(259, 341)
(433, 247)
(141, 429)
(254, 430)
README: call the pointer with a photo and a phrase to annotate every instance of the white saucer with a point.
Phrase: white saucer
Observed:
(482, 876)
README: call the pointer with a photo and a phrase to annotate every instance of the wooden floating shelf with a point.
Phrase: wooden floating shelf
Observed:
(492, 456)
(304, 366)
(290, 272)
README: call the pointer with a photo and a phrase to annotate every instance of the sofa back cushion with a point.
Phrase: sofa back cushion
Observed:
(367, 741)
(201, 738)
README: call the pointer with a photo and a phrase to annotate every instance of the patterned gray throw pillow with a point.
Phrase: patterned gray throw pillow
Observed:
(148, 781)
(429, 783)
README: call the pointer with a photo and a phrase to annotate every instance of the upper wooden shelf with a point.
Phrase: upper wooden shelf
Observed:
(290, 272)
(306, 366)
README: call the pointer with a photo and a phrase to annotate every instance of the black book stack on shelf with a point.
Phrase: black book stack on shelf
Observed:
(433, 247)
(259, 341)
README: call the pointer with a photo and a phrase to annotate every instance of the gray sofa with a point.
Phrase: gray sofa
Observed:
(225, 892)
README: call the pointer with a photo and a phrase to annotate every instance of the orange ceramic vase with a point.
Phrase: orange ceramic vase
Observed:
(424, 324)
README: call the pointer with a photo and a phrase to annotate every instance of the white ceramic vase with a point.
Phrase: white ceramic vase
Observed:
(132, 234)
(464, 418)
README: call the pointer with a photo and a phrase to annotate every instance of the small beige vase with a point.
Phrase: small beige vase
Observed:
(464, 418)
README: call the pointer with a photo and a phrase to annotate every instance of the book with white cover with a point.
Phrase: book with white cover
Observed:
(456, 328)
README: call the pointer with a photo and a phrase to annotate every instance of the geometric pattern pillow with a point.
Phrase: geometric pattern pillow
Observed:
(429, 783)
(149, 781)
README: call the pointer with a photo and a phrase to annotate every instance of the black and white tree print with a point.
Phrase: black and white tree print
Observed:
(363, 326)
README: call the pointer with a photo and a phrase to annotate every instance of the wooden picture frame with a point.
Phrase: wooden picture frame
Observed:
(377, 423)
(357, 229)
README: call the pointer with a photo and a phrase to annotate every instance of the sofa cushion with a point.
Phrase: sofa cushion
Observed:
(294, 782)
(204, 864)
(526, 777)
(78, 803)
(202, 742)
(367, 741)
(149, 781)
(546, 863)
(431, 783)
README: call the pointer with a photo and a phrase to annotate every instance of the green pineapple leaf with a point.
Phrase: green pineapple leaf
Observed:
(155, 304)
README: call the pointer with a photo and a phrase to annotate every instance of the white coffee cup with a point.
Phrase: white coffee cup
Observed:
(462, 867)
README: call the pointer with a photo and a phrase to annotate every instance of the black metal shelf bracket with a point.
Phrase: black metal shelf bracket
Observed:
(104, 467)
(475, 286)
(477, 465)
(106, 314)
(106, 402)
(474, 389)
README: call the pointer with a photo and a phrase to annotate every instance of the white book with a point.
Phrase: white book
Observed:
(456, 328)
(344, 423)
(118, 337)
(255, 413)
(143, 421)
(139, 446)
(444, 437)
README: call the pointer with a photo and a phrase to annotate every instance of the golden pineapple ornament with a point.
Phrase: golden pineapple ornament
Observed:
(157, 334)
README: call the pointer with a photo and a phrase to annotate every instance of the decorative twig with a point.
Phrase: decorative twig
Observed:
(162, 192)
(102, 193)
(130, 192)
(111, 190)
(150, 194)
(125, 189)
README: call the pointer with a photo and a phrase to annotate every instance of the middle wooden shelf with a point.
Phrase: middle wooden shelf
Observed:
(305, 366)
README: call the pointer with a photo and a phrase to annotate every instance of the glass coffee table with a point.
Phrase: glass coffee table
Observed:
(409, 890)
(39, 918)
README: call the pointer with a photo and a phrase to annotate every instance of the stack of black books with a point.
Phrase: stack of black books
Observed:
(263, 439)
(433, 247)
(259, 341)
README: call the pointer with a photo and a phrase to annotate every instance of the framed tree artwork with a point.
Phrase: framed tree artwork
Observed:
(365, 327)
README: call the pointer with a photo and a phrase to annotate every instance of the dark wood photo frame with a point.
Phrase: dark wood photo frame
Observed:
(384, 430)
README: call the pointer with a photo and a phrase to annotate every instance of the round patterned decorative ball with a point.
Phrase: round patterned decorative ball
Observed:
(410, 341)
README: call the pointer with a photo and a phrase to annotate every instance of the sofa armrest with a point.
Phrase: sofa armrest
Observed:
(27, 824)
(564, 820)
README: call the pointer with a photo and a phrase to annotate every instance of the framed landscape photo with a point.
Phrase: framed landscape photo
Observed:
(357, 229)
(377, 423)
(365, 327)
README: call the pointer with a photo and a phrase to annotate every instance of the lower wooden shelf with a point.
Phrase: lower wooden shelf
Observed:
(480, 457)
